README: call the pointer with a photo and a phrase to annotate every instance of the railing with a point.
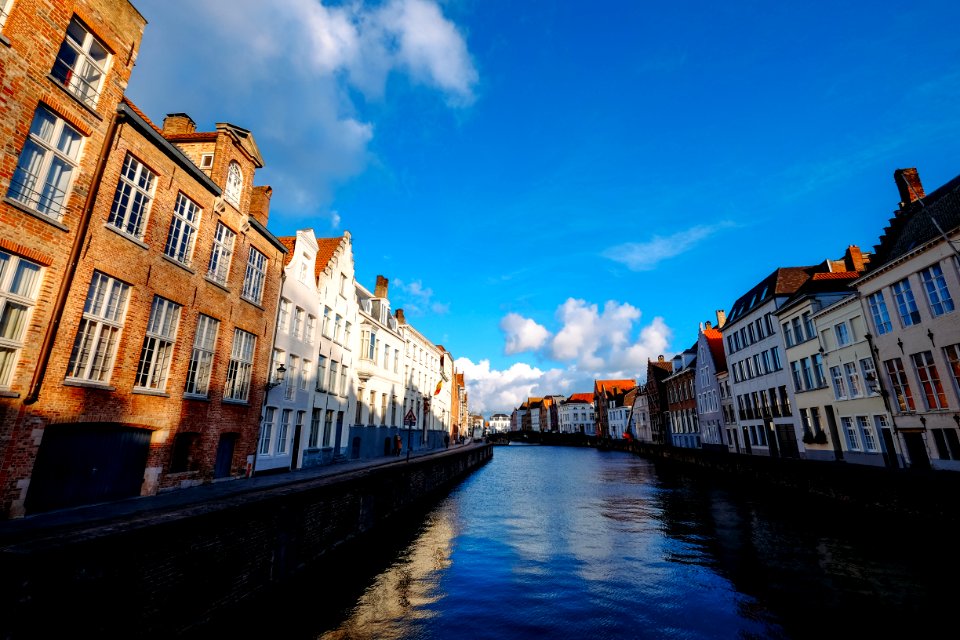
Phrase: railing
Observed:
(75, 83)
(49, 202)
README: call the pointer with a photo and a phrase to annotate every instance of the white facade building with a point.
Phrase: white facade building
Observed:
(577, 414)
(499, 422)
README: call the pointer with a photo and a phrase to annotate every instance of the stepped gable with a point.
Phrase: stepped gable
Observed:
(913, 224)
(326, 247)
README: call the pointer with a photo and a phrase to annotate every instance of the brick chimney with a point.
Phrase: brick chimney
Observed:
(176, 123)
(380, 291)
(908, 182)
(853, 259)
(721, 318)
(260, 203)
(400, 318)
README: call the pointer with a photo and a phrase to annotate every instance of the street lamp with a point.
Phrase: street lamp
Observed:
(278, 380)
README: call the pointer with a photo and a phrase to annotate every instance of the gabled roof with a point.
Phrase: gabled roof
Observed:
(581, 397)
(290, 242)
(783, 281)
(326, 247)
(715, 343)
(913, 226)
(614, 385)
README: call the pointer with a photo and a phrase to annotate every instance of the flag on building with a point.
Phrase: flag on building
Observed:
(439, 385)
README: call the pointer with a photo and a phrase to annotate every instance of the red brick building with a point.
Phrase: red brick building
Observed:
(144, 348)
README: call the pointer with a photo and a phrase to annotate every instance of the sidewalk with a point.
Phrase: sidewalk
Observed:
(44, 525)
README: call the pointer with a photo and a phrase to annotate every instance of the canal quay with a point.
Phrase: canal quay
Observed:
(573, 543)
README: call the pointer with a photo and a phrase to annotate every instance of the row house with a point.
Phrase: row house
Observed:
(655, 392)
(499, 422)
(458, 407)
(335, 394)
(727, 409)
(609, 396)
(844, 417)
(381, 382)
(63, 69)
(754, 354)
(711, 364)
(682, 418)
(428, 368)
(909, 297)
(576, 414)
(639, 424)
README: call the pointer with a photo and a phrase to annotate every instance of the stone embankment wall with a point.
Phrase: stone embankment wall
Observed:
(162, 572)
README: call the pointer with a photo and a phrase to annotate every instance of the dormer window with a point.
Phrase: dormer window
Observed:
(234, 184)
(206, 161)
(81, 63)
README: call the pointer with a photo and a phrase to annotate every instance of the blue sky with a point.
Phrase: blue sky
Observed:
(558, 191)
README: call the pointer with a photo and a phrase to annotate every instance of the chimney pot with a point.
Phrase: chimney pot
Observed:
(909, 185)
(400, 318)
(721, 318)
(380, 291)
(176, 123)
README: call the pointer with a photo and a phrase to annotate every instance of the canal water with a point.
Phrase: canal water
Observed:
(572, 543)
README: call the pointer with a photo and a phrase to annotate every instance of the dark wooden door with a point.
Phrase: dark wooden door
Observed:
(225, 448)
(87, 463)
(916, 450)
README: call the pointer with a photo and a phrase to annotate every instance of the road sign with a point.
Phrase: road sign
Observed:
(410, 420)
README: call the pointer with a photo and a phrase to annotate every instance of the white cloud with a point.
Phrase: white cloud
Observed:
(287, 70)
(492, 390)
(522, 334)
(644, 256)
(416, 299)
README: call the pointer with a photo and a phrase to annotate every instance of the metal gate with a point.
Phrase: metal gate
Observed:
(83, 463)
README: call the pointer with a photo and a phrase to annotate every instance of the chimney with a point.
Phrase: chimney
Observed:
(707, 325)
(908, 182)
(260, 203)
(400, 318)
(380, 291)
(721, 318)
(176, 123)
(853, 259)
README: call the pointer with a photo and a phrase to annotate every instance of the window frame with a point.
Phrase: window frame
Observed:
(153, 366)
(200, 369)
(75, 76)
(221, 254)
(182, 236)
(105, 310)
(240, 366)
(24, 298)
(133, 200)
(939, 300)
(254, 278)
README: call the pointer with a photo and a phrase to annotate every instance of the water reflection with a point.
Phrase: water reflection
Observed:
(573, 543)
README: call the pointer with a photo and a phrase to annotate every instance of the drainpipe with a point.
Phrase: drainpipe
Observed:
(886, 402)
(70, 272)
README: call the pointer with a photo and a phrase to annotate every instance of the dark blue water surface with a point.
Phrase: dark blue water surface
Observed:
(552, 542)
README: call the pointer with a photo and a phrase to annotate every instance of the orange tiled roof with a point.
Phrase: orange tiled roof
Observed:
(289, 242)
(196, 136)
(137, 111)
(581, 397)
(326, 248)
(836, 275)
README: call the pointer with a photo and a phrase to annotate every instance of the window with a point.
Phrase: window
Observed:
(311, 329)
(346, 335)
(279, 358)
(852, 440)
(853, 379)
(325, 327)
(929, 380)
(878, 310)
(798, 330)
(952, 356)
(368, 344)
(46, 163)
(843, 336)
(298, 323)
(328, 427)
(206, 161)
(386, 356)
(303, 268)
(158, 345)
(869, 375)
(899, 384)
(383, 409)
(283, 317)
(906, 305)
(314, 438)
(818, 370)
(99, 331)
(869, 441)
(757, 365)
(343, 380)
(337, 328)
(18, 293)
(241, 362)
(253, 278)
(343, 285)
(201, 360)
(396, 360)
(775, 356)
(81, 64)
(131, 204)
(283, 431)
(808, 327)
(934, 285)
(795, 370)
(5, 6)
(220, 256)
(234, 184)
(322, 373)
(839, 389)
(293, 378)
(332, 387)
(266, 431)
(304, 375)
(807, 373)
(183, 229)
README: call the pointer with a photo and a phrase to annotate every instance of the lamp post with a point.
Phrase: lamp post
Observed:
(278, 380)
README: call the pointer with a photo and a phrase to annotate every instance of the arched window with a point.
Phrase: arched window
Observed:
(234, 184)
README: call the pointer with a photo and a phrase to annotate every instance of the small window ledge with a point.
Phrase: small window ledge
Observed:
(90, 384)
(36, 214)
(126, 236)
